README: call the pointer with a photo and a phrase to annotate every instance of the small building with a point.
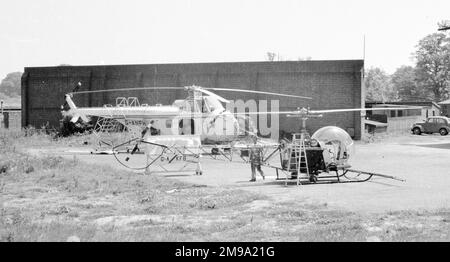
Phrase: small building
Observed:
(429, 108)
(445, 107)
(400, 120)
(10, 117)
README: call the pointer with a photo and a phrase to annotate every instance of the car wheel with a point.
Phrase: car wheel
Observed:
(417, 131)
(443, 132)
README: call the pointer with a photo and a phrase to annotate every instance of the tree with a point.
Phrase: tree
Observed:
(10, 85)
(433, 65)
(378, 86)
(271, 56)
(404, 82)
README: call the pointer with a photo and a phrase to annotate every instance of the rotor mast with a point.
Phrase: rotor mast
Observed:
(194, 98)
(304, 115)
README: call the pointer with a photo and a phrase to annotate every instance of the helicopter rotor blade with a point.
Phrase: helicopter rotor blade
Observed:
(267, 113)
(200, 89)
(197, 88)
(318, 112)
(359, 109)
(255, 92)
(130, 89)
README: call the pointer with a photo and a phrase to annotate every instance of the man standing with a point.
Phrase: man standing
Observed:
(255, 162)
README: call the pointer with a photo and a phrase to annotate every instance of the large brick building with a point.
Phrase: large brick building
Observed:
(331, 84)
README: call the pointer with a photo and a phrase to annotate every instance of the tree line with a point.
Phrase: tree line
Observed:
(428, 79)
(10, 88)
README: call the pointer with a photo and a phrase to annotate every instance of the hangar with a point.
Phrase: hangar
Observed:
(331, 84)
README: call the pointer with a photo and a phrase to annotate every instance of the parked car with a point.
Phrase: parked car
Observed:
(434, 124)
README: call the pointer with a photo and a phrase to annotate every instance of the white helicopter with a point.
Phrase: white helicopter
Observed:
(201, 113)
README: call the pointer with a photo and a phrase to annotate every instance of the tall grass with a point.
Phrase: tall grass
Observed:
(28, 137)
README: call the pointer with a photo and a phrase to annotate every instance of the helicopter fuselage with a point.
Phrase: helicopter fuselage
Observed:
(204, 116)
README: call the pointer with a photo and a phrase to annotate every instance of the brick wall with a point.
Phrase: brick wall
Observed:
(331, 84)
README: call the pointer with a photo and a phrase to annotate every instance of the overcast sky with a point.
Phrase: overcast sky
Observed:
(53, 32)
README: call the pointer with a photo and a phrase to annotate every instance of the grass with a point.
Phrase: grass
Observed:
(51, 198)
(28, 137)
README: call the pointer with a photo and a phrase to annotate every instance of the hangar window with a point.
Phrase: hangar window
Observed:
(392, 113)
(168, 123)
(400, 113)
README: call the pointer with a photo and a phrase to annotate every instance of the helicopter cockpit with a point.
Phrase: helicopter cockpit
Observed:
(337, 144)
(211, 104)
(205, 104)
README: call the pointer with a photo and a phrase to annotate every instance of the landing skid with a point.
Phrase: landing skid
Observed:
(341, 176)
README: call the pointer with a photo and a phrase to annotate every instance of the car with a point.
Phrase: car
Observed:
(434, 124)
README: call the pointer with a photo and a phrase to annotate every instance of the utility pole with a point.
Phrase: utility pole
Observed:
(364, 47)
(1, 114)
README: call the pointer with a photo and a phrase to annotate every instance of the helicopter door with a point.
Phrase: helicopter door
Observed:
(186, 126)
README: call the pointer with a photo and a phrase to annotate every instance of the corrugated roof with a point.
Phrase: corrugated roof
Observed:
(445, 102)
(410, 103)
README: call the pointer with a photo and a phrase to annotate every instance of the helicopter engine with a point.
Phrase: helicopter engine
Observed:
(336, 143)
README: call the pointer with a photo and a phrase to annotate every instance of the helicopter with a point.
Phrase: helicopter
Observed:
(318, 156)
(182, 131)
(201, 113)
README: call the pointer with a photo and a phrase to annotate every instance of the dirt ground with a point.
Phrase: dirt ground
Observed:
(423, 161)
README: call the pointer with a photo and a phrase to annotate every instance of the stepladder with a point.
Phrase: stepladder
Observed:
(297, 158)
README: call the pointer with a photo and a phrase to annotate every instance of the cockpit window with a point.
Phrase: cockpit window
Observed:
(440, 121)
(212, 103)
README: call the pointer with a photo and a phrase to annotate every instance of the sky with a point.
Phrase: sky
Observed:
(102, 32)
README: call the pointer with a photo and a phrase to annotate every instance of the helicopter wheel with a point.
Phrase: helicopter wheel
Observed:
(313, 178)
